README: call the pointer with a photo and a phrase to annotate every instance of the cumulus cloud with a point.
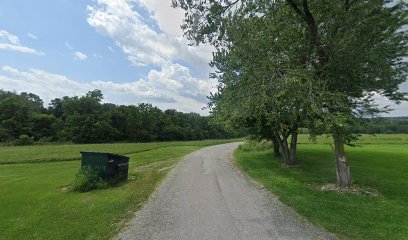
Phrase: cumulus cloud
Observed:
(169, 19)
(80, 56)
(155, 40)
(140, 41)
(170, 87)
(11, 42)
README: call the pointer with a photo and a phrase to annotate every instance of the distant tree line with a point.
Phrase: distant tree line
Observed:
(85, 119)
(392, 125)
(377, 125)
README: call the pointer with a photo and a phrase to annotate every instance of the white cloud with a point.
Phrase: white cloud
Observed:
(140, 41)
(32, 36)
(397, 109)
(169, 19)
(111, 49)
(11, 47)
(170, 87)
(80, 56)
(11, 42)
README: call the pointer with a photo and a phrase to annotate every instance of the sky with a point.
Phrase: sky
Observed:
(132, 50)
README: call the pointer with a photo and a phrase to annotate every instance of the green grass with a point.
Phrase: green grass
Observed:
(53, 153)
(383, 167)
(33, 204)
(363, 140)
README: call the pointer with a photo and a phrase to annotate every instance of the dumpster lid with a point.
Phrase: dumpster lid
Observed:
(107, 153)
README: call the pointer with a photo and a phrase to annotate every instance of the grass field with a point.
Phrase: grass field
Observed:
(56, 153)
(34, 205)
(365, 139)
(380, 163)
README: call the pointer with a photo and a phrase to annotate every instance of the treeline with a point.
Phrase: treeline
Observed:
(392, 125)
(24, 120)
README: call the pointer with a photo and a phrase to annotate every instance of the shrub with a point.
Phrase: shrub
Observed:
(23, 140)
(88, 179)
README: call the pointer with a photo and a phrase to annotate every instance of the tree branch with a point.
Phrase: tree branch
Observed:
(296, 8)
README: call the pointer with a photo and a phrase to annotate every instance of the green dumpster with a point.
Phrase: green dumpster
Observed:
(108, 165)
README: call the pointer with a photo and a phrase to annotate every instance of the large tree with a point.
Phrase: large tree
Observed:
(354, 49)
(261, 82)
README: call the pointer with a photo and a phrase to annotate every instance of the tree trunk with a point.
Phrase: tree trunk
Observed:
(293, 148)
(276, 151)
(284, 150)
(275, 144)
(342, 166)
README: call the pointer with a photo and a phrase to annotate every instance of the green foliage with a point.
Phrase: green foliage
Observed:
(23, 140)
(16, 112)
(87, 180)
(86, 119)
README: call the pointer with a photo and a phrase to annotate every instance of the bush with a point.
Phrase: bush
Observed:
(88, 179)
(23, 140)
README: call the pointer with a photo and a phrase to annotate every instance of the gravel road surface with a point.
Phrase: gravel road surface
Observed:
(206, 197)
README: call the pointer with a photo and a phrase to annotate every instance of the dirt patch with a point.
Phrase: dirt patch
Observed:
(354, 189)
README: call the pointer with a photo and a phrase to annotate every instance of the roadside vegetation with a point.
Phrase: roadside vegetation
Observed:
(379, 166)
(35, 201)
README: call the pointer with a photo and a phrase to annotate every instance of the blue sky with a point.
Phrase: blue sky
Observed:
(133, 50)
(58, 23)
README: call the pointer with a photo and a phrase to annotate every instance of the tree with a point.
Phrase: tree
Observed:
(262, 76)
(353, 49)
(16, 114)
(85, 121)
(360, 48)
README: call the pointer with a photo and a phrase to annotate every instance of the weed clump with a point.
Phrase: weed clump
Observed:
(87, 180)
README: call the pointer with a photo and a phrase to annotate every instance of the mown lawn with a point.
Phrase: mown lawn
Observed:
(383, 167)
(34, 204)
(70, 152)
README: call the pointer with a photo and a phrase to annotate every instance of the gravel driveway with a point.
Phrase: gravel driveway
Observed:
(206, 197)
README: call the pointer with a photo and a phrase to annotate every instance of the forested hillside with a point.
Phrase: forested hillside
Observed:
(86, 119)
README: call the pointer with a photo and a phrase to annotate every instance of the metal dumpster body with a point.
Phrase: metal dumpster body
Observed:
(108, 165)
